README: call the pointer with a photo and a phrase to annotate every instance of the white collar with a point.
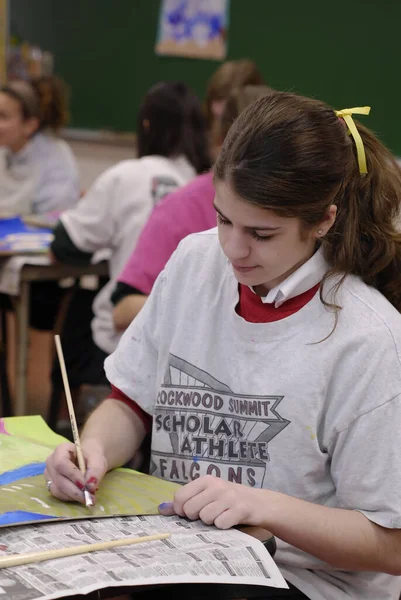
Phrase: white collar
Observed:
(303, 279)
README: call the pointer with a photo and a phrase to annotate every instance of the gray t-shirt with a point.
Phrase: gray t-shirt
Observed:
(42, 177)
(276, 405)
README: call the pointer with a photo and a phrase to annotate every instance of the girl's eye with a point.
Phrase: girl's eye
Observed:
(261, 238)
(221, 220)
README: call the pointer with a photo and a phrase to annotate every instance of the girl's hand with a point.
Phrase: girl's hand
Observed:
(63, 478)
(218, 502)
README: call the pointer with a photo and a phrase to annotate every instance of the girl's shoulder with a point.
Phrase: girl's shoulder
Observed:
(50, 150)
(198, 262)
(365, 309)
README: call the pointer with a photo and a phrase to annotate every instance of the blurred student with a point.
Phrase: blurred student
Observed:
(231, 75)
(187, 210)
(38, 172)
(172, 150)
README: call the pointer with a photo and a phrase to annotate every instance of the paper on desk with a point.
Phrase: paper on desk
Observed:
(195, 553)
(25, 443)
(18, 236)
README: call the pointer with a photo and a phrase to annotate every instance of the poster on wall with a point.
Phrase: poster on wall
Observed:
(3, 41)
(193, 28)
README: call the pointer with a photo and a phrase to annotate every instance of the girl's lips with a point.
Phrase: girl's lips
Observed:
(243, 269)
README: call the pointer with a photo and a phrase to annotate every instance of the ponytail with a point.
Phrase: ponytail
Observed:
(365, 239)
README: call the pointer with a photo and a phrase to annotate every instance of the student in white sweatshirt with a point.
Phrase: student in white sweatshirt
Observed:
(172, 150)
(266, 362)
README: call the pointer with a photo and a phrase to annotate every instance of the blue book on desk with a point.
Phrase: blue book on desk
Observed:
(17, 237)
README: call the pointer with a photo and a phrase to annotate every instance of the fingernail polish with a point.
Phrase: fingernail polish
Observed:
(80, 485)
(92, 483)
(164, 505)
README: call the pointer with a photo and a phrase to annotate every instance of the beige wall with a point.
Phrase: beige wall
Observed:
(94, 158)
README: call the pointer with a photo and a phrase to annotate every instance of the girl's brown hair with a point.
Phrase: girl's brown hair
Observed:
(237, 101)
(45, 97)
(229, 76)
(293, 155)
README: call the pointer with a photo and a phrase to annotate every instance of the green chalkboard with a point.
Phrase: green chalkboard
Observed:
(348, 54)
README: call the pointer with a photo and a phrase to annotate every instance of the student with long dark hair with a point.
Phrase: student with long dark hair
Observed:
(184, 211)
(172, 149)
(266, 361)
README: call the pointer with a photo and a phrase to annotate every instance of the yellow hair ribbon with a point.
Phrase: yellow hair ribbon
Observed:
(346, 114)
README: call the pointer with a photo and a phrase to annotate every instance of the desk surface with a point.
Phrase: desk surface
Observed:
(31, 272)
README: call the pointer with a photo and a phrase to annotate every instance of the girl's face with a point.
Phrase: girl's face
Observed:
(14, 130)
(263, 248)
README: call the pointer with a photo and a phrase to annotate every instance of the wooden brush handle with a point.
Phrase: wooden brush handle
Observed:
(33, 557)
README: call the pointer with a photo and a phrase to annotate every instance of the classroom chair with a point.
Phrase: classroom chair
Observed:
(76, 338)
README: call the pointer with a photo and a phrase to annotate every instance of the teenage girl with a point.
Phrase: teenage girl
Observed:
(266, 361)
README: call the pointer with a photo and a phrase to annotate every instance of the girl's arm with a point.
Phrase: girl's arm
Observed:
(345, 539)
(117, 430)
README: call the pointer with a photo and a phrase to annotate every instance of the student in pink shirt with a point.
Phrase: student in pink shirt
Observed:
(184, 211)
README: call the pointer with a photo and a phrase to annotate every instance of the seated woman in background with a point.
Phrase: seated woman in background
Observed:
(172, 149)
(187, 210)
(38, 172)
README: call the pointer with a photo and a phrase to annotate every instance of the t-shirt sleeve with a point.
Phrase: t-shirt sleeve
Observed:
(91, 224)
(65, 250)
(122, 290)
(133, 367)
(149, 258)
(366, 465)
(145, 418)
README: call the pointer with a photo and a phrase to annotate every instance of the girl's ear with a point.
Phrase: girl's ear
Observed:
(324, 227)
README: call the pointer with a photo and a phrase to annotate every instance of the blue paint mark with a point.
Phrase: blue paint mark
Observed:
(165, 505)
(22, 472)
(196, 459)
(22, 516)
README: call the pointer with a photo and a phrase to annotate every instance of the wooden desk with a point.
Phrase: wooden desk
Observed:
(30, 273)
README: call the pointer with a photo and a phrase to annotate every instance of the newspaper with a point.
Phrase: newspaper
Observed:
(195, 553)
